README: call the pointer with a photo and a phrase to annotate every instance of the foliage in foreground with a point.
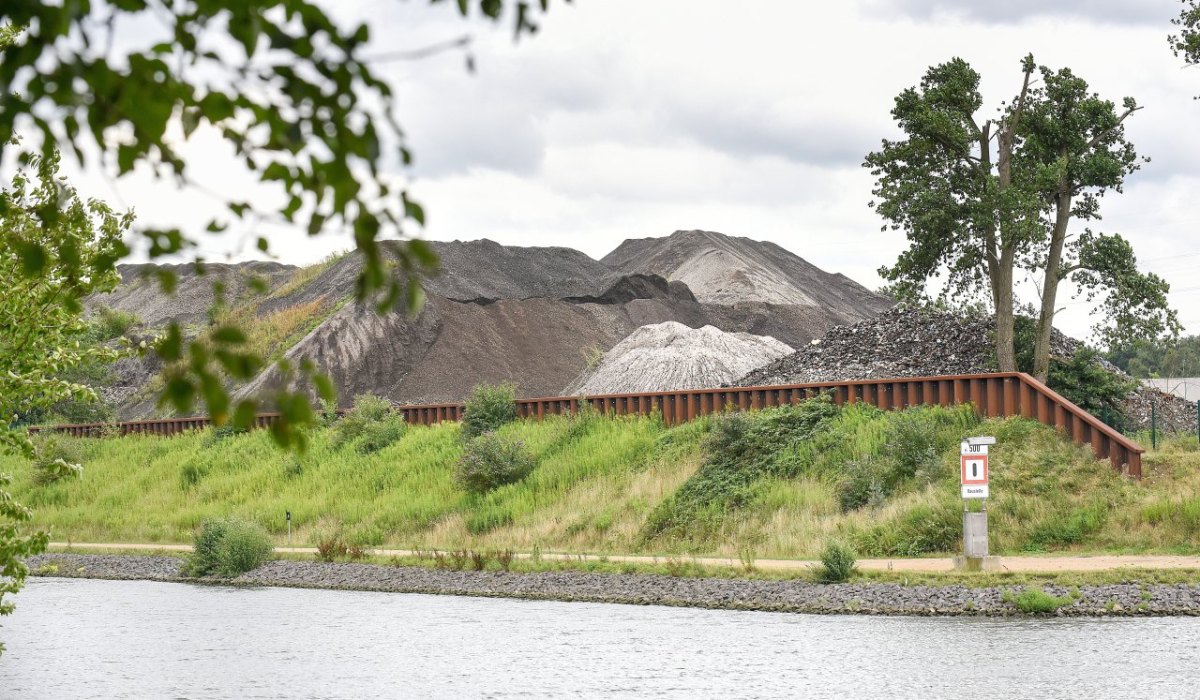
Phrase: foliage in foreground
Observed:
(43, 223)
(229, 548)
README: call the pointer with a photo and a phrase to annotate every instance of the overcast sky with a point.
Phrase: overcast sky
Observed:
(628, 118)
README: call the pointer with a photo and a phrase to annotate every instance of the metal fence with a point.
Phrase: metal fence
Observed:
(992, 395)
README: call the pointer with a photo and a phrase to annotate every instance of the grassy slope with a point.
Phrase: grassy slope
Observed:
(597, 484)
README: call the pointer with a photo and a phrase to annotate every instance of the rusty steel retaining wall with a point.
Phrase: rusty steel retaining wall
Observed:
(993, 395)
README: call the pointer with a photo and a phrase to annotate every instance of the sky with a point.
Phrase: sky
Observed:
(631, 119)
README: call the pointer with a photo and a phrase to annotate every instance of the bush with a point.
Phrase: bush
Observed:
(377, 436)
(488, 408)
(837, 563)
(490, 461)
(1035, 601)
(229, 548)
(863, 483)
(372, 423)
(923, 530)
(113, 323)
(58, 458)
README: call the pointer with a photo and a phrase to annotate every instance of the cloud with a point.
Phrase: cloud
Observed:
(1157, 12)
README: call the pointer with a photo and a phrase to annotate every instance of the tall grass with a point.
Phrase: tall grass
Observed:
(597, 482)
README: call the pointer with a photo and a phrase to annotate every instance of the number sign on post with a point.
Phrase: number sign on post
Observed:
(974, 464)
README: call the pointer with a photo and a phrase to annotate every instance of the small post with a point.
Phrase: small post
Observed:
(974, 478)
(1154, 424)
(1198, 420)
(289, 527)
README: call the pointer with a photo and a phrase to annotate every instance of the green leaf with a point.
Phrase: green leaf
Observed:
(229, 335)
(413, 210)
(33, 258)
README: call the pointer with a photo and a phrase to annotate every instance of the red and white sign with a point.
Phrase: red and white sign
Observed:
(975, 467)
(974, 470)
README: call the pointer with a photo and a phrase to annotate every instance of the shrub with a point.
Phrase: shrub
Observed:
(490, 461)
(229, 548)
(1035, 601)
(113, 323)
(377, 436)
(220, 433)
(333, 548)
(364, 419)
(488, 408)
(837, 562)
(863, 483)
(192, 472)
(923, 530)
(58, 458)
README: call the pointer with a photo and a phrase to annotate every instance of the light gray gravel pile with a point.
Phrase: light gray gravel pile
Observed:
(638, 589)
(671, 356)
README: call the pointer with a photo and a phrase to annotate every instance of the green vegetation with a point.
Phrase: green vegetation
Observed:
(489, 408)
(837, 563)
(768, 484)
(228, 548)
(490, 461)
(371, 425)
(1035, 601)
(1146, 358)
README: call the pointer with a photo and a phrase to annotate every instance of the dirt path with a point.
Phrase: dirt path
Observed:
(1014, 564)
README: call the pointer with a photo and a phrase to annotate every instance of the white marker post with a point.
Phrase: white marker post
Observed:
(974, 479)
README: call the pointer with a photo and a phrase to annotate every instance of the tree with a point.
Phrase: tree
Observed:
(980, 200)
(75, 245)
(1186, 43)
(292, 90)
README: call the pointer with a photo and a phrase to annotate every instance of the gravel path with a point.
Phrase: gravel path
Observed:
(640, 589)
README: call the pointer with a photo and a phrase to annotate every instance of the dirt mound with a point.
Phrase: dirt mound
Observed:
(726, 270)
(495, 313)
(669, 356)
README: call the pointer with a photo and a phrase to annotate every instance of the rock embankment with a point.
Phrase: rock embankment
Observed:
(640, 589)
(671, 356)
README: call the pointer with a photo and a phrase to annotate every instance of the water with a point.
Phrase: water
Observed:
(102, 639)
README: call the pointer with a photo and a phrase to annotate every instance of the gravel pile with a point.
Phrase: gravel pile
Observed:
(900, 342)
(1171, 413)
(671, 356)
(909, 342)
(735, 594)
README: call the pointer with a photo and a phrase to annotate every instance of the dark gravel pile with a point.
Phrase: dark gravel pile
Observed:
(900, 342)
(637, 589)
(909, 342)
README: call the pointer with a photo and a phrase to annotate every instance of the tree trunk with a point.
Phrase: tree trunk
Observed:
(1006, 358)
(1045, 329)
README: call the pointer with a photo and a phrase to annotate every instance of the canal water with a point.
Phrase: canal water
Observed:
(107, 639)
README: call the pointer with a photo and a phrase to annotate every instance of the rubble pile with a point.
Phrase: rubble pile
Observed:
(911, 342)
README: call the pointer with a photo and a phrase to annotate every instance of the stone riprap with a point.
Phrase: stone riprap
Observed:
(643, 589)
